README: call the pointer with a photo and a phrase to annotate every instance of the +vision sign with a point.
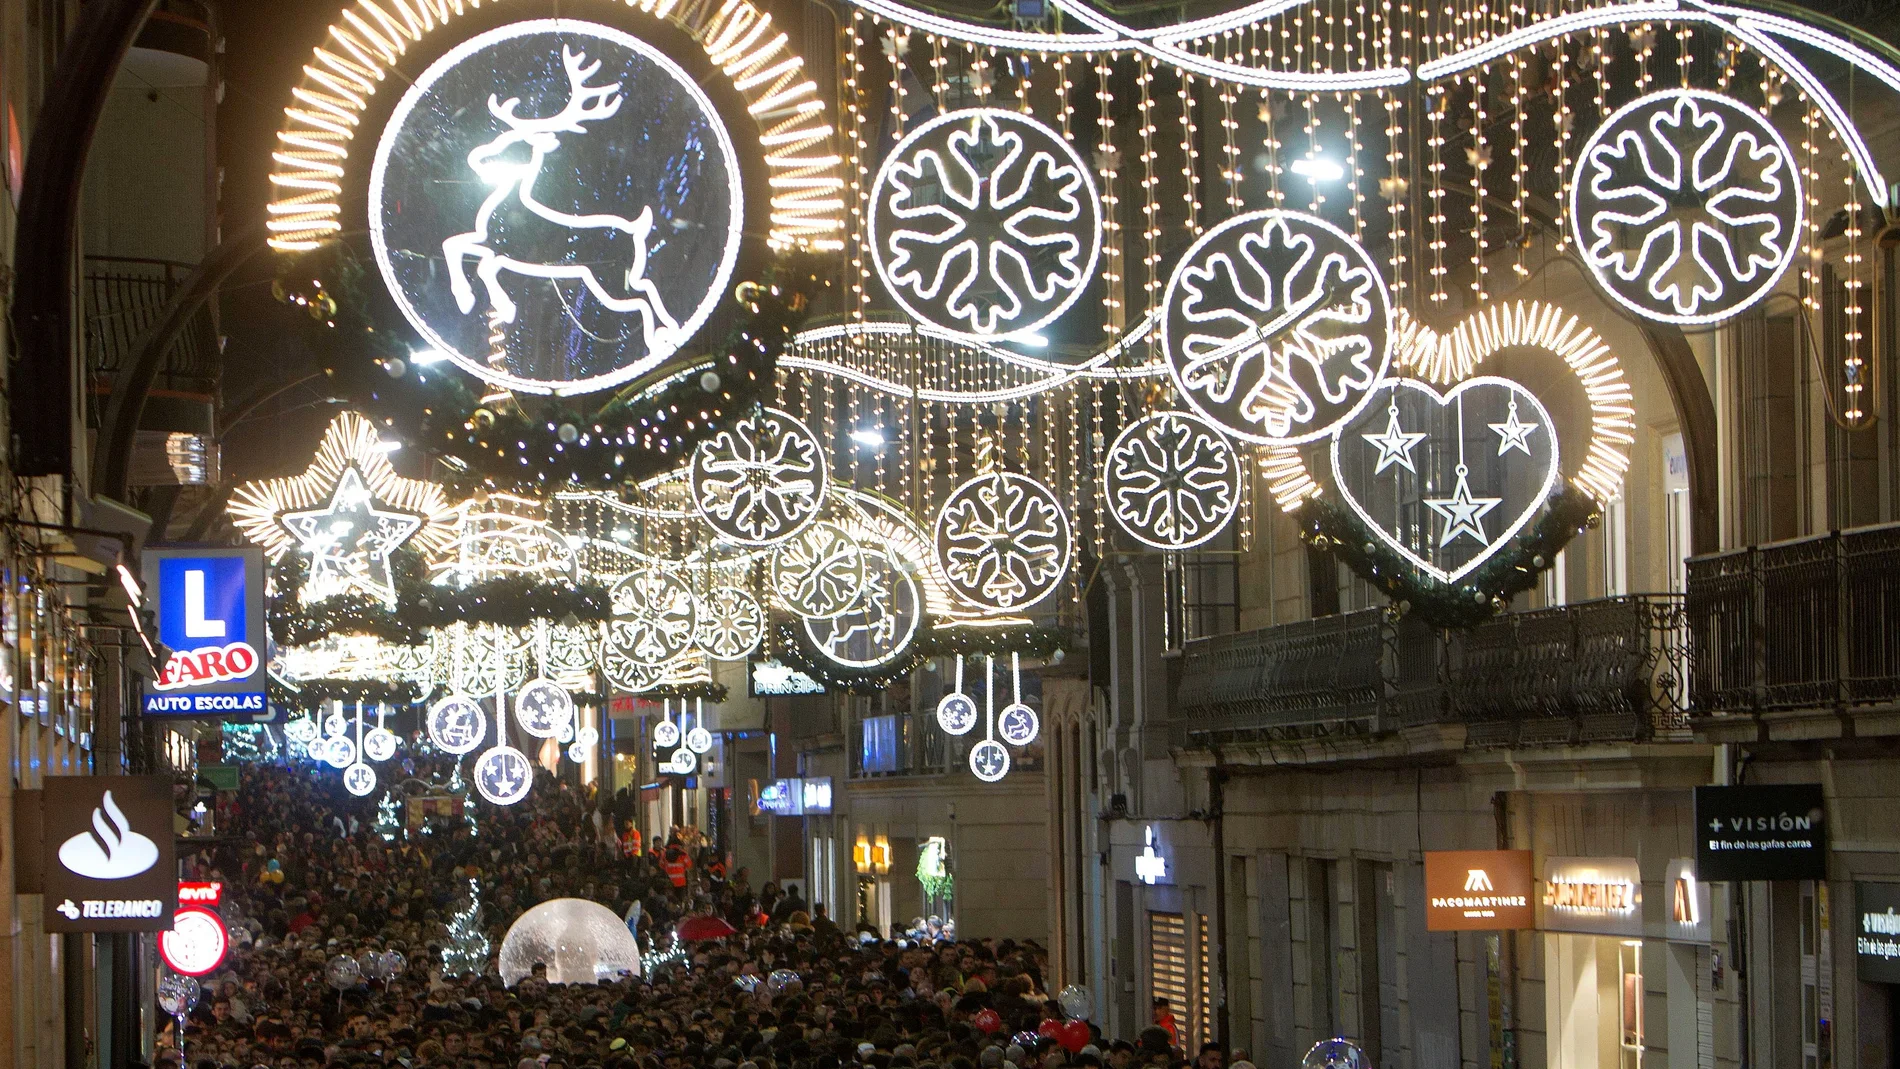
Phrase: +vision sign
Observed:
(209, 603)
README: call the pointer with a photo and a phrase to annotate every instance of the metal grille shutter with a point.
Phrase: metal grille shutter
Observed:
(1168, 964)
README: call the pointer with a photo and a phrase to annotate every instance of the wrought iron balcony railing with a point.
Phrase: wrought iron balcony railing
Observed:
(124, 296)
(1807, 624)
(1598, 670)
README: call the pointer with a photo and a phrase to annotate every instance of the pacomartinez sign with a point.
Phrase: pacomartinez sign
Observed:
(1594, 895)
(107, 854)
(1477, 890)
(1761, 833)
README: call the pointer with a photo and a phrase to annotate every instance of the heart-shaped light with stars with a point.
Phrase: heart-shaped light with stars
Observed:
(1447, 479)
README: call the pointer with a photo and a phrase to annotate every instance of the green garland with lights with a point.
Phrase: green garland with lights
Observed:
(705, 691)
(790, 645)
(508, 601)
(1478, 595)
(313, 694)
(529, 443)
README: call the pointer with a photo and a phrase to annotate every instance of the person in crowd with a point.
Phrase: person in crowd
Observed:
(318, 896)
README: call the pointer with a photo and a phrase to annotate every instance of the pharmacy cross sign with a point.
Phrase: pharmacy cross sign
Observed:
(1151, 867)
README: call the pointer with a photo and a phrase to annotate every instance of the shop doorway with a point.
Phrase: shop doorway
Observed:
(1594, 998)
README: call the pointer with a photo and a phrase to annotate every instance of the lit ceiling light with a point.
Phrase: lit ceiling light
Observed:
(1317, 169)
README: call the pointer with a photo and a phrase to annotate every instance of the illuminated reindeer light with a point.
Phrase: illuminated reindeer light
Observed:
(529, 242)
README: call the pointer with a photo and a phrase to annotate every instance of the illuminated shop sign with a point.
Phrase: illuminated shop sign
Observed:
(1594, 895)
(1688, 896)
(1761, 833)
(107, 864)
(1877, 933)
(210, 608)
(1477, 890)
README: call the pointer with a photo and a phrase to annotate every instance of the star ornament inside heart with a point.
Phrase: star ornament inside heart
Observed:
(1452, 490)
(1447, 479)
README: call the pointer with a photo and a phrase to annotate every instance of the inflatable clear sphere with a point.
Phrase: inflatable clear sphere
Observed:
(177, 994)
(1335, 1054)
(580, 942)
(343, 972)
(783, 982)
(1075, 1002)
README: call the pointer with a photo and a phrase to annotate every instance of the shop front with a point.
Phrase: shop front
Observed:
(1591, 916)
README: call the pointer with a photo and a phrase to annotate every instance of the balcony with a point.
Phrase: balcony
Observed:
(1812, 624)
(124, 297)
(1605, 670)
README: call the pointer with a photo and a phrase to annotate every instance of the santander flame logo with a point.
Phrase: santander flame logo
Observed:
(111, 850)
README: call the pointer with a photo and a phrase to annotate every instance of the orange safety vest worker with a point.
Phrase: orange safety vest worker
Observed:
(630, 843)
(676, 869)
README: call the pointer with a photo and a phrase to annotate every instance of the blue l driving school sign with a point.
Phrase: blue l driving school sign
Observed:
(209, 604)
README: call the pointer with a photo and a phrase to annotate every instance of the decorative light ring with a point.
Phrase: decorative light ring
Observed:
(1277, 326)
(731, 624)
(819, 572)
(699, 740)
(985, 223)
(558, 325)
(1447, 358)
(456, 724)
(368, 43)
(1003, 541)
(1172, 481)
(543, 708)
(989, 761)
(503, 774)
(957, 713)
(379, 744)
(339, 751)
(1018, 724)
(1670, 153)
(761, 480)
(666, 734)
(359, 779)
(880, 625)
(655, 617)
(627, 674)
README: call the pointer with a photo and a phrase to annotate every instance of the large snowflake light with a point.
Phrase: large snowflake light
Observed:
(1003, 541)
(655, 616)
(985, 223)
(1172, 481)
(761, 480)
(1277, 326)
(1686, 206)
(731, 623)
(819, 571)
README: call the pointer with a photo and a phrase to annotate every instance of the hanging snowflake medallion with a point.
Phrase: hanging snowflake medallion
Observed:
(503, 774)
(985, 223)
(699, 740)
(1687, 206)
(576, 753)
(1479, 464)
(338, 751)
(819, 571)
(1172, 481)
(685, 762)
(1018, 724)
(654, 617)
(1277, 326)
(543, 707)
(456, 724)
(879, 627)
(956, 714)
(760, 480)
(731, 623)
(989, 761)
(666, 734)
(1003, 541)
(359, 779)
(624, 672)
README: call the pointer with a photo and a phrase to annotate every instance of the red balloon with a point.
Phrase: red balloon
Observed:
(1048, 1028)
(987, 1021)
(1073, 1035)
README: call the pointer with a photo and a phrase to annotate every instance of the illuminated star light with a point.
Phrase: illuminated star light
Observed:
(1396, 445)
(1463, 513)
(1513, 433)
(349, 539)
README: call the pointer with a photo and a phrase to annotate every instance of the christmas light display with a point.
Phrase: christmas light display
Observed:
(1003, 541)
(760, 481)
(1172, 481)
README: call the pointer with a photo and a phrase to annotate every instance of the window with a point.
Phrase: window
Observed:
(878, 752)
(1168, 965)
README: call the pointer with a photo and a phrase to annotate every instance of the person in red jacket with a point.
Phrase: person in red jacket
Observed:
(630, 842)
(676, 866)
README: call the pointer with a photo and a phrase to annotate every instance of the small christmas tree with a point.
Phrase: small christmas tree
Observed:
(467, 951)
(388, 824)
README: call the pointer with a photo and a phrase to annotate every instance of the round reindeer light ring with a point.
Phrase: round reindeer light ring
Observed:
(556, 206)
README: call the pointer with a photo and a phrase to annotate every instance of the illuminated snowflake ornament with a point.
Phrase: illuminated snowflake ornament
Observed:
(338, 751)
(655, 616)
(761, 480)
(699, 740)
(359, 779)
(456, 724)
(543, 708)
(956, 714)
(1277, 326)
(503, 775)
(666, 734)
(819, 571)
(731, 623)
(989, 761)
(1003, 541)
(985, 223)
(1172, 481)
(626, 673)
(1686, 206)
(379, 744)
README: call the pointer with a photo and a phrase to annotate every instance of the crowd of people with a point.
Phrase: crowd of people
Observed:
(312, 875)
